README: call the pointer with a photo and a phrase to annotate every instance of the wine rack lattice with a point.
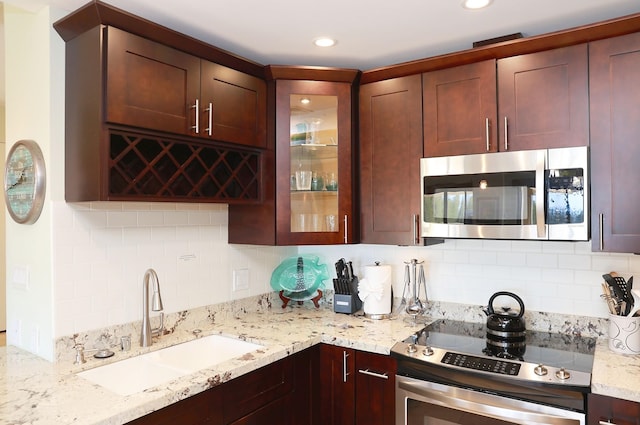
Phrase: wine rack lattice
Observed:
(142, 166)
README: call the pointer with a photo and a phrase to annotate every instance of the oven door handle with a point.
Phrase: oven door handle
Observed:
(519, 416)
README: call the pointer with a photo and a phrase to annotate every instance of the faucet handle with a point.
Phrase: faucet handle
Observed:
(159, 330)
(79, 354)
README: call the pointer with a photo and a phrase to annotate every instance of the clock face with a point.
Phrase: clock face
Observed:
(24, 182)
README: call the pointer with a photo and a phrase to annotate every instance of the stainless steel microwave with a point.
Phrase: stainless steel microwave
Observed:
(535, 194)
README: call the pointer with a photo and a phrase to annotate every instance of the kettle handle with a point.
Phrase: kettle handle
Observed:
(510, 294)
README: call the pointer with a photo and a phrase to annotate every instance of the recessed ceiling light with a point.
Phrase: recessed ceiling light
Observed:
(305, 101)
(475, 4)
(324, 42)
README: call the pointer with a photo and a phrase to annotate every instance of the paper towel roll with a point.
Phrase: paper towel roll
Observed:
(375, 289)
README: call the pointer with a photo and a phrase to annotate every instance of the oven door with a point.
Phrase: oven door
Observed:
(426, 403)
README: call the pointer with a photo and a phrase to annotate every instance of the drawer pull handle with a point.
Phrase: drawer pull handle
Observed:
(196, 106)
(374, 374)
(486, 133)
(209, 110)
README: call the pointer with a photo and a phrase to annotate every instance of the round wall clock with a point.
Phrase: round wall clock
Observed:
(25, 181)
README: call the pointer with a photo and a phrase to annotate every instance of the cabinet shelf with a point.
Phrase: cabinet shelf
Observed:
(313, 151)
(318, 192)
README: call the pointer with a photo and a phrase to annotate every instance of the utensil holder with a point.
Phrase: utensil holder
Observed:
(624, 334)
(345, 298)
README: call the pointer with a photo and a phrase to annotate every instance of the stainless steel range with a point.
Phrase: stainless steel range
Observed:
(451, 373)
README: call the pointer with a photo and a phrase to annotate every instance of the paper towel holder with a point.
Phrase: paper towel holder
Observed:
(380, 315)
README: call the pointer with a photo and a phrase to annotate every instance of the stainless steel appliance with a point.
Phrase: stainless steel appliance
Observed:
(448, 374)
(536, 194)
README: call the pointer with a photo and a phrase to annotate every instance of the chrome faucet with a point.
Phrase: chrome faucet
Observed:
(156, 305)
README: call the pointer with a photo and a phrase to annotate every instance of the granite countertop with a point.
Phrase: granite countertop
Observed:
(35, 391)
(615, 375)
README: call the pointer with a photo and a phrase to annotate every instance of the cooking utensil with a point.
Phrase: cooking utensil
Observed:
(506, 323)
(616, 290)
(611, 302)
(635, 294)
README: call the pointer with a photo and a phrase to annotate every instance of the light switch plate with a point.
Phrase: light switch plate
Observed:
(240, 280)
(20, 277)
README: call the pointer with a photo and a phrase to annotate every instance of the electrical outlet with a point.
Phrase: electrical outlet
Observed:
(240, 280)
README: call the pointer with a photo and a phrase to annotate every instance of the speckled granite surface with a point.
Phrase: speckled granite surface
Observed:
(35, 391)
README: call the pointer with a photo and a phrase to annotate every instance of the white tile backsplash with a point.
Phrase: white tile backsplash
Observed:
(102, 250)
(555, 277)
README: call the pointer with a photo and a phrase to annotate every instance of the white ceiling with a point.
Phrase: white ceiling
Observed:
(370, 33)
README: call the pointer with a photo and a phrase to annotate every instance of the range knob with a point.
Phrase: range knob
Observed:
(412, 346)
(428, 351)
(562, 374)
(540, 370)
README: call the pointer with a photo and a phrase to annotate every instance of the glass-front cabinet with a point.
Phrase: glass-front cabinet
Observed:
(313, 163)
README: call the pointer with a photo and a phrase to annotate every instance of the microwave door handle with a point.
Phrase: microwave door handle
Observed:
(476, 407)
(540, 213)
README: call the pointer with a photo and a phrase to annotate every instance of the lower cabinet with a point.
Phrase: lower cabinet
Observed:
(608, 410)
(278, 393)
(356, 387)
(322, 385)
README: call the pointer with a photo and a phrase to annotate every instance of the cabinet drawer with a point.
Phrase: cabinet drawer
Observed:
(248, 393)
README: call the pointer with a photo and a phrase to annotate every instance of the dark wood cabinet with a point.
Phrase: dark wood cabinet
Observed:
(375, 389)
(460, 110)
(313, 134)
(614, 66)
(149, 85)
(602, 409)
(127, 125)
(327, 151)
(533, 101)
(356, 387)
(204, 408)
(543, 99)
(153, 86)
(390, 151)
(234, 105)
(337, 385)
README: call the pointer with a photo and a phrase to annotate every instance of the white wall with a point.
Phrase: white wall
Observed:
(29, 113)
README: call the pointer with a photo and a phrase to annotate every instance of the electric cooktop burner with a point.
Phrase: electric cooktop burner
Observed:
(543, 357)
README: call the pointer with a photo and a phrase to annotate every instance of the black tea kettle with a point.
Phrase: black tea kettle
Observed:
(506, 323)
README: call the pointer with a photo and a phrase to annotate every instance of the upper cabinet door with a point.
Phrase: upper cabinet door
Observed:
(160, 88)
(543, 99)
(390, 152)
(233, 106)
(614, 67)
(150, 85)
(314, 182)
(460, 110)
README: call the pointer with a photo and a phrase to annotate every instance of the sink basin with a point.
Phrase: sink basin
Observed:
(136, 374)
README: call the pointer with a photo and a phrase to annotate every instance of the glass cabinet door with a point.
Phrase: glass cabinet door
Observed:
(314, 169)
(314, 190)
